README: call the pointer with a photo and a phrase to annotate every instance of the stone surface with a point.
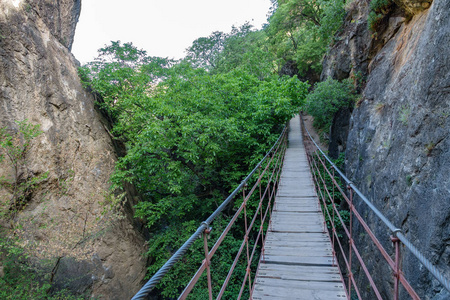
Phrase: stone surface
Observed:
(351, 52)
(339, 132)
(67, 214)
(60, 16)
(413, 7)
(398, 143)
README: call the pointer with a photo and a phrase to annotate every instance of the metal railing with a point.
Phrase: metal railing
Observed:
(318, 161)
(263, 188)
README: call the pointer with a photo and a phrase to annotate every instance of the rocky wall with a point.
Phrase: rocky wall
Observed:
(68, 219)
(398, 146)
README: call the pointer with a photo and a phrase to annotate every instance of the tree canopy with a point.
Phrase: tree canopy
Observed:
(301, 30)
(191, 134)
(193, 128)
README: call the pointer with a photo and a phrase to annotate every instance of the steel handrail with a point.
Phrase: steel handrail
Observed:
(395, 230)
(242, 208)
(156, 278)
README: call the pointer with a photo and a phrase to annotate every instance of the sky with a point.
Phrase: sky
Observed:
(163, 28)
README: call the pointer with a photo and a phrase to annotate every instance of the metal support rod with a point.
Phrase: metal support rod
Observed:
(324, 199)
(396, 242)
(261, 200)
(246, 233)
(428, 265)
(208, 270)
(333, 225)
(350, 242)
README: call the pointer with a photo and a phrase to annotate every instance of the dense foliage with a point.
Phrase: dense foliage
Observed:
(327, 98)
(243, 48)
(190, 135)
(192, 129)
(378, 10)
(301, 30)
(22, 280)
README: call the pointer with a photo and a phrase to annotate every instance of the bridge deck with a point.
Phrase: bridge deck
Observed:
(298, 260)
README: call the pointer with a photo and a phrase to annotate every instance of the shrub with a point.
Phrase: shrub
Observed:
(22, 279)
(326, 99)
(378, 9)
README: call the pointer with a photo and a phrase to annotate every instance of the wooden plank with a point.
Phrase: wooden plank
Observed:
(298, 258)
(298, 252)
(287, 269)
(296, 270)
(297, 237)
(303, 292)
(301, 284)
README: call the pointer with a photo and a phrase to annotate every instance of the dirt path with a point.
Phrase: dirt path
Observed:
(308, 120)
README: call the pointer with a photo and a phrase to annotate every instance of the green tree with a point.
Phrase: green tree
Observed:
(247, 49)
(301, 30)
(243, 48)
(13, 147)
(204, 51)
(327, 98)
(191, 135)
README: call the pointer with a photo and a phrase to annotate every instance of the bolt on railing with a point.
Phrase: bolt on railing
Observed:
(318, 161)
(268, 171)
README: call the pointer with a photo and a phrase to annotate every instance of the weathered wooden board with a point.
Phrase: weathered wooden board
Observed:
(298, 261)
(272, 288)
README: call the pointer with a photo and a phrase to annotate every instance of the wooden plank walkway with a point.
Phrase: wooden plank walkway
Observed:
(298, 261)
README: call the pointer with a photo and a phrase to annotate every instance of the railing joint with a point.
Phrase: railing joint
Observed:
(396, 231)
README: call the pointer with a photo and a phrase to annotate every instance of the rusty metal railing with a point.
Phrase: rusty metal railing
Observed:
(318, 162)
(263, 189)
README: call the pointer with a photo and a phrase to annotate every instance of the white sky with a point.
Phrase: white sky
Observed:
(161, 27)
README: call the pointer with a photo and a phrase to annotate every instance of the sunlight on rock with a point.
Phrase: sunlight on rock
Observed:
(16, 3)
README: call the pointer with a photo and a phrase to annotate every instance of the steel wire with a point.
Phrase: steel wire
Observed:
(395, 230)
(147, 288)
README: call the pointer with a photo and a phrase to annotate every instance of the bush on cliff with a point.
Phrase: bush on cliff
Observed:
(326, 99)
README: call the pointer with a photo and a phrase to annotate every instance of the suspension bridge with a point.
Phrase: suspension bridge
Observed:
(298, 251)
(298, 261)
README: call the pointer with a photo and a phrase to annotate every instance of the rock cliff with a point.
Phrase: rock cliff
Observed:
(398, 143)
(66, 219)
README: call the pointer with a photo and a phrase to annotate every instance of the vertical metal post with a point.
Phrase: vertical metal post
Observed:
(350, 242)
(261, 212)
(271, 200)
(325, 208)
(249, 271)
(396, 242)
(246, 239)
(208, 271)
(332, 222)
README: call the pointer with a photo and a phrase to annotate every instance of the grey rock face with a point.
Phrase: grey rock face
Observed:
(66, 214)
(60, 16)
(398, 148)
(339, 132)
(413, 7)
(351, 52)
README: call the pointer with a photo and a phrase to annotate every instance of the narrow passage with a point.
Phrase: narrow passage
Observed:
(298, 260)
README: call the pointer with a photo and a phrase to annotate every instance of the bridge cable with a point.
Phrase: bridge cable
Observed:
(396, 231)
(148, 287)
